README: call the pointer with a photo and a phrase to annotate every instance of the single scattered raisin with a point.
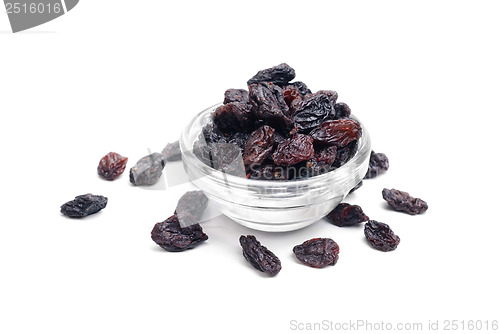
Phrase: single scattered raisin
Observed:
(259, 256)
(147, 171)
(346, 214)
(111, 166)
(402, 201)
(379, 163)
(380, 236)
(317, 252)
(170, 236)
(84, 205)
(172, 152)
(195, 202)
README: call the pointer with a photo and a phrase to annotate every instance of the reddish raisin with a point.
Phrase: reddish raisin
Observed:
(346, 214)
(380, 236)
(326, 154)
(379, 163)
(338, 132)
(259, 146)
(259, 256)
(294, 150)
(402, 201)
(279, 75)
(111, 166)
(170, 236)
(317, 252)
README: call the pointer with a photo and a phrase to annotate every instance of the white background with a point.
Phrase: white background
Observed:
(126, 76)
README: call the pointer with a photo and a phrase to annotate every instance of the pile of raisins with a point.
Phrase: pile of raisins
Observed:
(278, 130)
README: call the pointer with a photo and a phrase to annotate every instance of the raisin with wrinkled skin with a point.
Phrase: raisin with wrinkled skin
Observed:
(279, 75)
(402, 201)
(317, 252)
(212, 134)
(294, 150)
(195, 202)
(302, 87)
(234, 117)
(172, 152)
(337, 132)
(342, 110)
(111, 166)
(236, 95)
(345, 153)
(380, 236)
(268, 172)
(332, 96)
(293, 98)
(170, 236)
(313, 110)
(227, 158)
(379, 163)
(268, 104)
(84, 205)
(327, 154)
(259, 256)
(148, 170)
(346, 214)
(259, 146)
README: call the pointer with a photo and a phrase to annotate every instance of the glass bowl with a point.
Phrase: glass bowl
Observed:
(274, 206)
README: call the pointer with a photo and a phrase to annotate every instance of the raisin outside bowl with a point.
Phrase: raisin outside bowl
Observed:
(265, 205)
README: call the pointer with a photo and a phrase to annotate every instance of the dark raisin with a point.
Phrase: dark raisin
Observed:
(345, 153)
(342, 110)
(302, 87)
(380, 236)
(170, 236)
(147, 171)
(172, 152)
(294, 150)
(227, 158)
(239, 139)
(313, 110)
(279, 75)
(346, 214)
(195, 202)
(379, 163)
(202, 151)
(234, 117)
(332, 96)
(84, 205)
(259, 146)
(111, 166)
(268, 172)
(326, 154)
(236, 95)
(338, 132)
(213, 134)
(402, 201)
(268, 104)
(317, 252)
(259, 256)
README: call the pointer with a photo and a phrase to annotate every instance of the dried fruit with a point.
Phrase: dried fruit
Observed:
(227, 158)
(302, 87)
(345, 153)
(402, 201)
(84, 205)
(259, 256)
(327, 154)
(259, 146)
(317, 252)
(293, 98)
(195, 202)
(172, 152)
(234, 116)
(338, 132)
(342, 110)
(346, 214)
(294, 150)
(380, 236)
(170, 236)
(268, 104)
(239, 139)
(313, 110)
(379, 163)
(332, 96)
(236, 95)
(148, 170)
(279, 75)
(111, 166)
